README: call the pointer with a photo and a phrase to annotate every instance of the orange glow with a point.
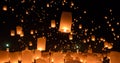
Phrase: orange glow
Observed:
(19, 30)
(53, 24)
(65, 22)
(5, 8)
(12, 33)
(41, 43)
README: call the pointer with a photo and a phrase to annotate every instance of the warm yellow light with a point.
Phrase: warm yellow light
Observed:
(12, 33)
(53, 24)
(4, 8)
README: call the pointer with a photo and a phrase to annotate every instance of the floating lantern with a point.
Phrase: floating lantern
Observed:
(14, 57)
(12, 33)
(21, 34)
(19, 30)
(48, 5)
(53, 24)
(93, 38)
(70, 37)
(41, 43)
(80, 26)
(65, 22)
(30, 43)
(4, 56)
(37, 54)
(27, 56)
(31, 32)
(4, 8)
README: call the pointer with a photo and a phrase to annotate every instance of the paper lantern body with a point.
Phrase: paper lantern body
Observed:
(12, 33)
(65, 22)
(53, 24)
(4, 56)
(41, 43)
(14, 57)
(27, 56)
(18, 30)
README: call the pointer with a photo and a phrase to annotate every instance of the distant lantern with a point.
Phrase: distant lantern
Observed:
(14, 57)
(31, 32)
(53, 23)
(70, 37)
(4, 8)
(18, 30)
(12, 33)
(41, 43)
(21, 34)
(106, 44)
(30, 43)
(65, 22)
(93, 38)
(80, 26)
(48, 5)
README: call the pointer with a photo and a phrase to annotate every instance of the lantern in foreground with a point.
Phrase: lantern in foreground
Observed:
(18, 30)
(4, 56)
(41, 43)
(12, 33)
(27, 56)
(53, 24)
(65, 22)
(14, 57)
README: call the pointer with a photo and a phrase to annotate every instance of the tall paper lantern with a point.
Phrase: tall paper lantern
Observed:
(41, 43)
(18, 30)
(65, 22)
(93, 38)
(70, 37)
(14, 57)
(53, 24)
(80, 26)
(27, 56)
(12, 33)
(4, 56)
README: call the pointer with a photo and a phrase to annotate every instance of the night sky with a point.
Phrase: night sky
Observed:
(97, 18)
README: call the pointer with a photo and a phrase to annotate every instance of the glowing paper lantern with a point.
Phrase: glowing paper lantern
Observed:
(22, 34)
(114, 57)
(80, 26)
(27, 56)
(32, 32)
(4, 8)
(53, 24)
(19, 30)
(70, 37)
(14, 57)
(41, 43)
(37, 54)
(30, 44)
(93, 38)
(12, 33)
(4, 56)
(65, 22)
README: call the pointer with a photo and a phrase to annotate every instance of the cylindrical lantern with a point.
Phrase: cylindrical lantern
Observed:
(31, 32)
(80, 26)
(70, 37)
(22, 34)
(41, 43)
(14, 57)
(53, 24)
(19, 30)
(12, 33)
(65, 22)
(4, 8)
(93, 38)
(4, 56)
(27, 56)
(30, 43)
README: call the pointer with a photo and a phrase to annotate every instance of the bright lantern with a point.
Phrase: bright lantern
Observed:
(5, 8)
(41, 43)
(32, 32)
(53, 24)
(93, 38)
(70, 37)
(65, 22)
(14, 57)
(80, 26)
(12, 33)
(19, 30)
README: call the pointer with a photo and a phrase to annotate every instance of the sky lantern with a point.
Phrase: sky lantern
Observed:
(41, 43)
(4, 56)
(27, 56)
(4, 8)
(22, 34)
(12, 33)
(30, 43)
(14, 57)
(70, 37)
(80, 26)
(114, 57)
(65, 22)
(31, 32)
(37, 54)
(18, 30)
(53, 23)
(93, 38)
